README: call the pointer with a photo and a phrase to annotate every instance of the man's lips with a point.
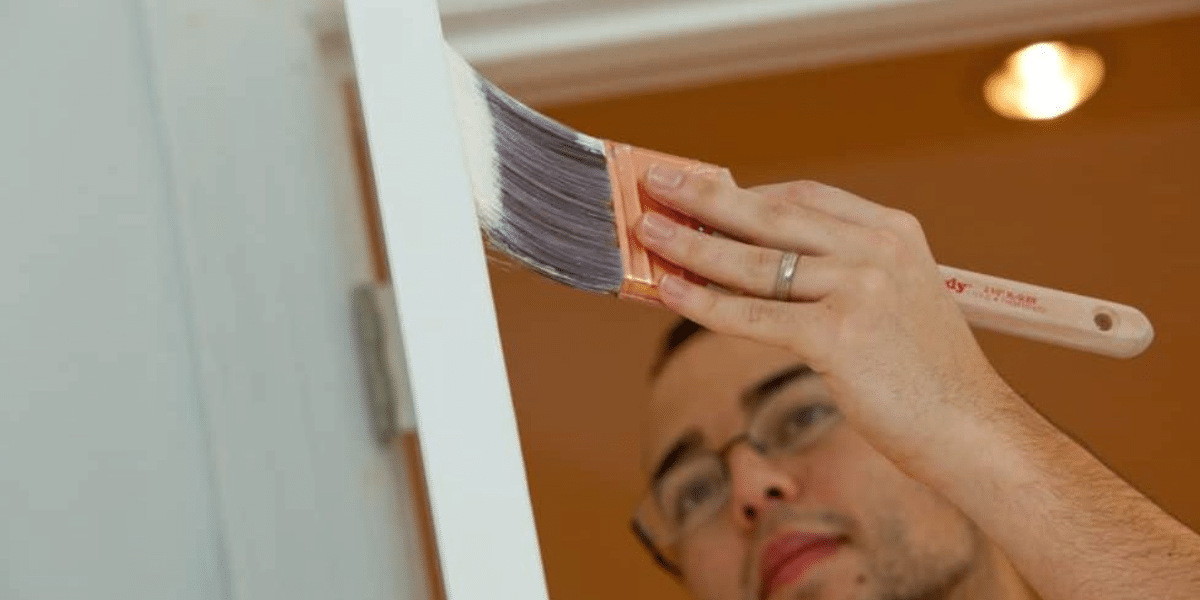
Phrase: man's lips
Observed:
(789, 556)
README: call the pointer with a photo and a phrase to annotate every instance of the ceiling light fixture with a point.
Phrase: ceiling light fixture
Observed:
(1044, 81)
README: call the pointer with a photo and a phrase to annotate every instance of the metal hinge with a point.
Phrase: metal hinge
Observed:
(381, 350)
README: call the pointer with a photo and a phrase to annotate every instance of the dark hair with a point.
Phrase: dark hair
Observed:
(676, 337)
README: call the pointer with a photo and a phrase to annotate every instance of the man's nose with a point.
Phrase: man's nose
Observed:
(756, 483)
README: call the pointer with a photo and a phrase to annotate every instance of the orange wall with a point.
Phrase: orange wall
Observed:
(1105, 202)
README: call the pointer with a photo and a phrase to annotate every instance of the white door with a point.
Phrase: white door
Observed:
(181, 405)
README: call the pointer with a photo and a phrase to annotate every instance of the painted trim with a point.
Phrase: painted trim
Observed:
(483, 519)
(557, 51)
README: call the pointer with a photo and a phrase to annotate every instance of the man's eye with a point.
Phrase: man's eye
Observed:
(695, 495)
(798, 424)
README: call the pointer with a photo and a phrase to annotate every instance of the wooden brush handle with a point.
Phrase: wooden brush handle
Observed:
(1048, 315)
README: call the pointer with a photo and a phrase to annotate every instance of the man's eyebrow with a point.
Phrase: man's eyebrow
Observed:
(755, 395)
(689, 442)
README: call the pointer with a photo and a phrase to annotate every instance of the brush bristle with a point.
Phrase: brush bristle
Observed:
(541, 189)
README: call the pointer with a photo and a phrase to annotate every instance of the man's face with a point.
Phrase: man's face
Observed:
(893, 538)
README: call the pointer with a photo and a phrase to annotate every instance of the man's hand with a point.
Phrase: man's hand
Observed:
(867, 309)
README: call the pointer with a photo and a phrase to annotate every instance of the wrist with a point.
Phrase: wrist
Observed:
(982, 446)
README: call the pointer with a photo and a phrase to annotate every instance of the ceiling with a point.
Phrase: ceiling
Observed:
(1104, 202)
(554, 51)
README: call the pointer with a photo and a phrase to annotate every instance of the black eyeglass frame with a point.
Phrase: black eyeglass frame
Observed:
(722, 453)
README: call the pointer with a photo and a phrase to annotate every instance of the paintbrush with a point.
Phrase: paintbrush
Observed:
(565, 204)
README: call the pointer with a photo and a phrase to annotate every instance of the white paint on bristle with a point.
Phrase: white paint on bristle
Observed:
(594, 144)
(479, 138)
(542, 190)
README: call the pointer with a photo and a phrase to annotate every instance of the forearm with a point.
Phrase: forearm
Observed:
(1073, 528)
(868, 309)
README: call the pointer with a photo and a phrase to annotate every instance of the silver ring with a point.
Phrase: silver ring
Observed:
(787, 271)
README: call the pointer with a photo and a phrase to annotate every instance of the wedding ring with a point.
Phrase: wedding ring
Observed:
(787, 271)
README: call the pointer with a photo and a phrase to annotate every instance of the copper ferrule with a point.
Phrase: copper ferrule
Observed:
(627, 165)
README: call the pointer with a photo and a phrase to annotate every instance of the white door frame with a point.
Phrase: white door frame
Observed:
(486, 539)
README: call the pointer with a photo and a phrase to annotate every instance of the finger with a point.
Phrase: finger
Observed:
(735, 265)
(759, 219)
(838, 203)
(802, 327)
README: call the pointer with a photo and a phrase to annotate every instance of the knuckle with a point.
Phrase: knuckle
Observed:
(763, 312)
(707, 188)
(775, 210)
(888, 245)
(804, 191)
(903, 222)
(757, 313)
(769, 189)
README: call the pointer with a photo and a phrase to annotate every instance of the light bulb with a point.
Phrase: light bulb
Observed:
(1044, 81)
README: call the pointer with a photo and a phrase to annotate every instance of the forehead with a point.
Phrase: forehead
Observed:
(701, 385)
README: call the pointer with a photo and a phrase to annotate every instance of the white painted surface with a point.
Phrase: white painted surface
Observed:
(180, 405)
(477, 486)
(494, 31)
(476, 124)
(105, 476)
(269, 230)
(546, 51)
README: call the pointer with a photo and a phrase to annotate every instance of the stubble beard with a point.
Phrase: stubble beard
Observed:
(898, 571)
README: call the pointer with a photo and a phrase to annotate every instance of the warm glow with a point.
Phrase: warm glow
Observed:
(1044, 81)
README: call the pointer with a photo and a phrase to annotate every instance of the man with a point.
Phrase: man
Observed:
(831, 429)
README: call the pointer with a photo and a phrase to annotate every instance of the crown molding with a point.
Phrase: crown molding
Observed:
(558, 51)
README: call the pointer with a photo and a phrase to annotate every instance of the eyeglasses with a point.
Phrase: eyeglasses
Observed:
(691, 494)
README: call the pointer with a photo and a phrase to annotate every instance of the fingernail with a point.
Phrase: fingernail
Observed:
(672, 288)
(664, 177)
(657, 227)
